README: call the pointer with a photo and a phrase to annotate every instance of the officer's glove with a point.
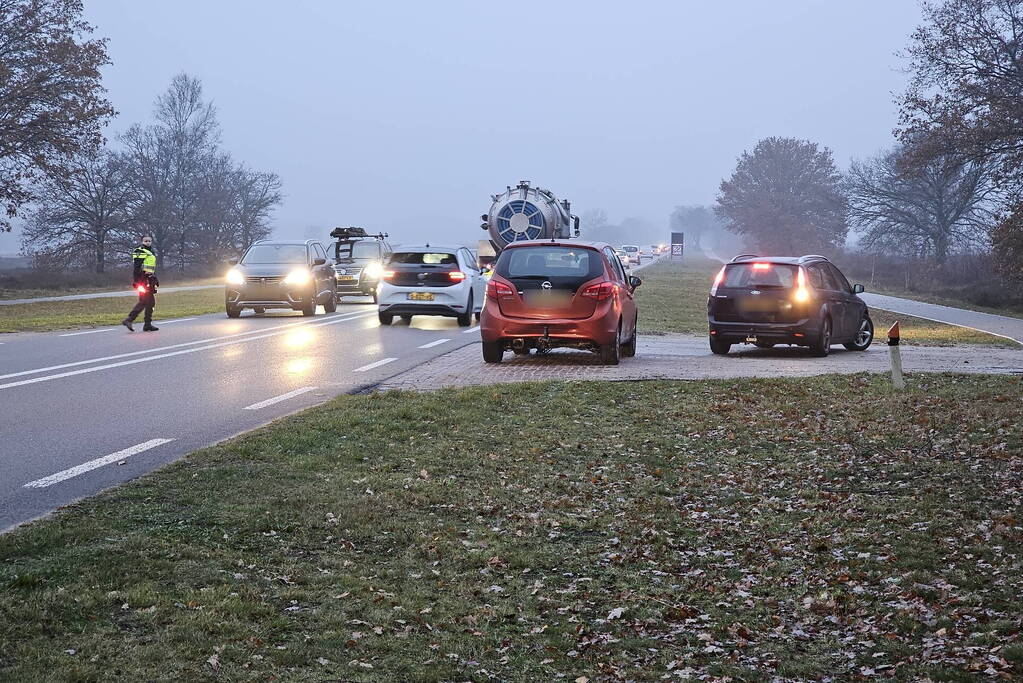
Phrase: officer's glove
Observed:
(156, 282)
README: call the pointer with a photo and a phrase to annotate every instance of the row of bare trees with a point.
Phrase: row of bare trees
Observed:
(951, 186)
(169, 179)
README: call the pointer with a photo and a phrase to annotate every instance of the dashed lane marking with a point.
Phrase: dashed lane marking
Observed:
(95, 464)
(385, 361)
(75, 334)
(437, 342)
(471, 330)
(278, 399)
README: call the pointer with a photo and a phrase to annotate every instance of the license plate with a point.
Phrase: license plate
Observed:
(420, 296)
(345, 278)
(751, 340)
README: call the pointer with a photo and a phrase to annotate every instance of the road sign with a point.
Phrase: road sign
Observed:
(678, 240)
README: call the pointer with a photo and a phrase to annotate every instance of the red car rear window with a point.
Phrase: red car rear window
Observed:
(550, 262)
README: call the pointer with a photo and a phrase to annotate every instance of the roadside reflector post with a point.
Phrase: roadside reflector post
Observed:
(896, 356)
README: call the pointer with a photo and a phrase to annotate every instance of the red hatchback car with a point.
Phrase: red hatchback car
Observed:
(549, 293)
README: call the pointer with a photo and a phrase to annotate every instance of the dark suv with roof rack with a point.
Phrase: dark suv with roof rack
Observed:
(797, 300)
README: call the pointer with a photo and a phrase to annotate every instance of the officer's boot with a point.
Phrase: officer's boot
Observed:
(149, 327)
(127, 323)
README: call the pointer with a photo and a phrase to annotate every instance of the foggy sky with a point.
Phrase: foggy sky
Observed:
(406, 117)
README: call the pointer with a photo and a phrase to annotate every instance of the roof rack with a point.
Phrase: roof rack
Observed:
(744, 256)
(352, 232)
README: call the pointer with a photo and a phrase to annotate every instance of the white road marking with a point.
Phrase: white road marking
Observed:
(434, 343)
(364, 368)
(176, 320)
(278, 399)
(471, 330)
(72, 373)
(935, 320)
(340, 318)
(94, 464)
(75, 334)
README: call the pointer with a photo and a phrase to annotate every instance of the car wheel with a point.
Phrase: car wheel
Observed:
(764, 345)
(521, 352)
(477, 316)
(465, 319)
(492, 352)
(719, 347)
(407, 317)
(611, 353)
(385, 318)
(864, 336)
(309, 308)
(233, 311)
(374, 295)
(331, 305)
(259, 310)
(629, 347)
(821, 346)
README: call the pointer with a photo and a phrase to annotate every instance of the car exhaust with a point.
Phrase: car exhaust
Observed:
(518, 344)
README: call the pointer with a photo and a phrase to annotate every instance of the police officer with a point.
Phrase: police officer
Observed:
(144, 281)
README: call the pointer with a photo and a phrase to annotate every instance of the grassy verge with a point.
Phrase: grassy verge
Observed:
(30, 292)
(673, 298)
(794, 528)
(58, 315)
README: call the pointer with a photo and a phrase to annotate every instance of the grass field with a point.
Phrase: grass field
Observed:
(673, 298)
(58, 315)
(28, 293)
(793, 528)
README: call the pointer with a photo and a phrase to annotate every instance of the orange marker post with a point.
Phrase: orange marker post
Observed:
(898, 382)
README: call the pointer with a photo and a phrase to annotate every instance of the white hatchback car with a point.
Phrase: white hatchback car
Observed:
(431, 280)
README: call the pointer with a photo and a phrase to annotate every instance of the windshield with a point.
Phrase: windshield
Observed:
(549, 262)
(423, 258)
(275, 253)
(630, 247)
(358, 250)
(759, 275)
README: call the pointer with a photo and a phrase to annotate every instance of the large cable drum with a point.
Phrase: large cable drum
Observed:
(528, 213)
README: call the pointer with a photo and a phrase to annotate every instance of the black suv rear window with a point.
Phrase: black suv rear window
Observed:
(275, 253)
(548, 262)
(759, 275)
(423, 258)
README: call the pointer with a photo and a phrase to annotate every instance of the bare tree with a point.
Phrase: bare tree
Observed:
(52, 105)
(257, 194)
(926, 209)
(785, 197)
(80, 213)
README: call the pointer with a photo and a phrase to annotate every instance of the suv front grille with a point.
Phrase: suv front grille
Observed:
(269, 279)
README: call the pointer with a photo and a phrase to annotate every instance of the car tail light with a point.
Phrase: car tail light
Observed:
(717, 281)
(761, 266)
(456, 275)
(802, 293)
(499, 290)
(600, 291)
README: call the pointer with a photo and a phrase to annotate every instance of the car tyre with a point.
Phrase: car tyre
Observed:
(629, 347)
(374, 295)
(520, 352)
(331, 305)
(407, 317)
(821, 346)
(864, 336)
(492, 352)
(259, 310)
(385, 318)
(233, 311)
(465, 319)
(764, 345)
(611, 353)
(719, 347)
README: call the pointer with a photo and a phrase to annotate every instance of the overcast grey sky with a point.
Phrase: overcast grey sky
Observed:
(406, 116)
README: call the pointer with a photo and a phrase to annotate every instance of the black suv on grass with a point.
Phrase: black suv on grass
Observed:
(798, 300)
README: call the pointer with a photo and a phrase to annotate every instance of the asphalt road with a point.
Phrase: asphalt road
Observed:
(998, 325)
(83, 411)
(100, 295)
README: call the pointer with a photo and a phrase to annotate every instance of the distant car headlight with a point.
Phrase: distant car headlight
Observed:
(235, 277)
(373, 271)
(299, 276)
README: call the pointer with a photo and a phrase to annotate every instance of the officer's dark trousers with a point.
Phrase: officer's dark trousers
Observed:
(146, 302)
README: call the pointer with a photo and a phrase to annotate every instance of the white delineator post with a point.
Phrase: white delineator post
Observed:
(896, 355)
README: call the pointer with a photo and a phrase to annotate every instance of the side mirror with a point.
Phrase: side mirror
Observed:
(232, 262)
(635, 281)
(319, 261)
(857, 289)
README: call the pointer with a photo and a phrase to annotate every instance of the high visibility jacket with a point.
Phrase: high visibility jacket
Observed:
(143, 262)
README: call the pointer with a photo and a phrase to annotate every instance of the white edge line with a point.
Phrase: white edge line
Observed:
(364, 368)
(945, 322)
(471, 330)
(278, 399)
(95, 464)
(437, 342)
(175, 320)
(83, 371)
(75, 334)
(315, 323)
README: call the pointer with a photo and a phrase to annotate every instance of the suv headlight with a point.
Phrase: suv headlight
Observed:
(299, 276)
(373, 271)
(235, 277)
